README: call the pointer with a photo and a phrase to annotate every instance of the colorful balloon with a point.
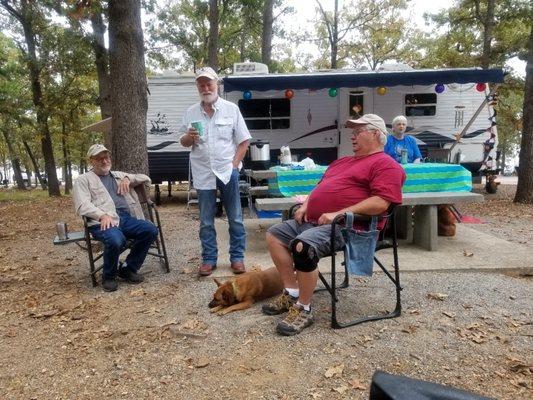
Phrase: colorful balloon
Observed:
(381, 90)
(247, 95)
(289, 94)
(332, 92)
(480, 87)
(439, 88)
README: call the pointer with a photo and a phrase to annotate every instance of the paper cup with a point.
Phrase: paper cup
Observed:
(199, 126)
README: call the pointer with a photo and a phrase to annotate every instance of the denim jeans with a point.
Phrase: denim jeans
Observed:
(114, 239)
(231, 201)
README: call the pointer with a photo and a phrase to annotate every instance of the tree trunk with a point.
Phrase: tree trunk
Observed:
(102, 70)
(488, 27)
(335, 36)
(524, 189)
(25, 19)
(66, 162)
(35, 165)
(212, 44)
(266, 39)
(128, 86)
(15, 161)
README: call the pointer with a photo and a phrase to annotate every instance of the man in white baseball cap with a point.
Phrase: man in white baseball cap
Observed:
(106, 197)
(366, 183)
(215, 130)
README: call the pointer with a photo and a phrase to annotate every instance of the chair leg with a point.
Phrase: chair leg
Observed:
(161, 249)
(90, 256)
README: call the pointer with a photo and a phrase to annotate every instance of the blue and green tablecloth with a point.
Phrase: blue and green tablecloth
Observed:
(436, 177)
(424, 177)
(289, 183)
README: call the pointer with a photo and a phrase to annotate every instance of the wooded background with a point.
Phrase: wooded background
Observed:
(67, 64)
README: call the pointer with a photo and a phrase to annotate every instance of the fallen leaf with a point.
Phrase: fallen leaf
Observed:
(357, 385)
(202, 362)
(341, 389)
(335, 370)
(467, 254)
(436, 296)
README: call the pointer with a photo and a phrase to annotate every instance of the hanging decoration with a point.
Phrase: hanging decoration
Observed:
(439, 88)
(381, 90)
(289, 94)
(332, 92)
(247, 95)
(480, 87)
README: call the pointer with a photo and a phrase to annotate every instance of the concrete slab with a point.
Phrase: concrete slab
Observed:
(468, 250)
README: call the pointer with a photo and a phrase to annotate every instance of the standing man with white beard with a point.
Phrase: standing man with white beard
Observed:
(215, 130)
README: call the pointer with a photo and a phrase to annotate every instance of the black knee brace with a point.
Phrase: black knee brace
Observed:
(305, 260)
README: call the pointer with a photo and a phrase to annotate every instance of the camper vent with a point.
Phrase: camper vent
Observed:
(249, 68)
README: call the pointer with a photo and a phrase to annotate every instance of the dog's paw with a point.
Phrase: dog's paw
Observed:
(222, 311)
(215, 309)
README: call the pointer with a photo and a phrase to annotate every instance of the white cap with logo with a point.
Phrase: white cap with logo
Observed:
(373, 120)
(206, 72)
(96, 149)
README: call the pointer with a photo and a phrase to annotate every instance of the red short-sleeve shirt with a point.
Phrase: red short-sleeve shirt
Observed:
(350, 180)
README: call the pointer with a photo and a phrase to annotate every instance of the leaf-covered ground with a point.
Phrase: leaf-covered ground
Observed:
(62, 339)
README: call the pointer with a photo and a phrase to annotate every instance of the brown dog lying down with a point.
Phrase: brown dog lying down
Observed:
(241, 292)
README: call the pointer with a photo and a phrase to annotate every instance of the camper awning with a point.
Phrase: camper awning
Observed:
(352, 79)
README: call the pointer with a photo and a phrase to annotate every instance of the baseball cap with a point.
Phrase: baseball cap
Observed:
(369, 119)
(96, 149)
(207, 72)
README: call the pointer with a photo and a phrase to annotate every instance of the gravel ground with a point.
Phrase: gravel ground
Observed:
(62, 339)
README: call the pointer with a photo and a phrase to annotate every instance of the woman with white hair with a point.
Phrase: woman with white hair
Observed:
(399, 141)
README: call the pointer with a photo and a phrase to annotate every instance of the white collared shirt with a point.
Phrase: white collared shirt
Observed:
(212, 158)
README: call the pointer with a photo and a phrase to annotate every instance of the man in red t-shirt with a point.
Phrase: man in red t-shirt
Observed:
(366, 183)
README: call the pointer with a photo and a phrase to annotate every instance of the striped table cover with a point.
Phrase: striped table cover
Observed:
(436, 177)
(294, 182)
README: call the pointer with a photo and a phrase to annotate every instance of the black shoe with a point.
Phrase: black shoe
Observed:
(110, 284)
(130, 276)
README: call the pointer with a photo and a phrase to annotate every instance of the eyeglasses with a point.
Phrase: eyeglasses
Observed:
(358, 132)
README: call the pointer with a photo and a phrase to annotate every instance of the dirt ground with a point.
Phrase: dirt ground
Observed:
(60, 338)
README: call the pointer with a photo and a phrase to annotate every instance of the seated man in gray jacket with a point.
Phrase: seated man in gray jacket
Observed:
(105, 196)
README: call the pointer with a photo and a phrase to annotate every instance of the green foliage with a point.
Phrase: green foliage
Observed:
(13, 195)
(179, 34)
(509, 109)
(461, 27)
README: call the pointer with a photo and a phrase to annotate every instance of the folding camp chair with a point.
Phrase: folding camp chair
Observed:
(93, 247)
(382, 243)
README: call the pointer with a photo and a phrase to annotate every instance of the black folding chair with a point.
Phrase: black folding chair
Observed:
(382, 243)
(94, 248)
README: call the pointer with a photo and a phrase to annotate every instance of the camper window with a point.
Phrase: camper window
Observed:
(356, 104)
(261, 114)
(420, 104)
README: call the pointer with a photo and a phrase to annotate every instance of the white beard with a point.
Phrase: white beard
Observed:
(209, 98)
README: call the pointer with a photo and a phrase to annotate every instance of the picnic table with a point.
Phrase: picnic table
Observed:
(422, 230)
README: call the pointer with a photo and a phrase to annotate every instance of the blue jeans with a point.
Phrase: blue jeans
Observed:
(231, 200)
(114, 239)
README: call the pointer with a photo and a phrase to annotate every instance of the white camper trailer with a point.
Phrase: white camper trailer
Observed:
(307, 111)
(170, 95)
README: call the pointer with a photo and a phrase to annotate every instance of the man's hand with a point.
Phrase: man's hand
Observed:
(123, 186)
(300, 215)
(193, 134)
(327, 218)
(106, 222)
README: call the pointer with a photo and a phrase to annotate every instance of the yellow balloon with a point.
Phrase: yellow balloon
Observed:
(381, 90)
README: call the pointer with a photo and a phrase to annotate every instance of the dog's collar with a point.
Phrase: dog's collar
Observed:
(235, 289)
